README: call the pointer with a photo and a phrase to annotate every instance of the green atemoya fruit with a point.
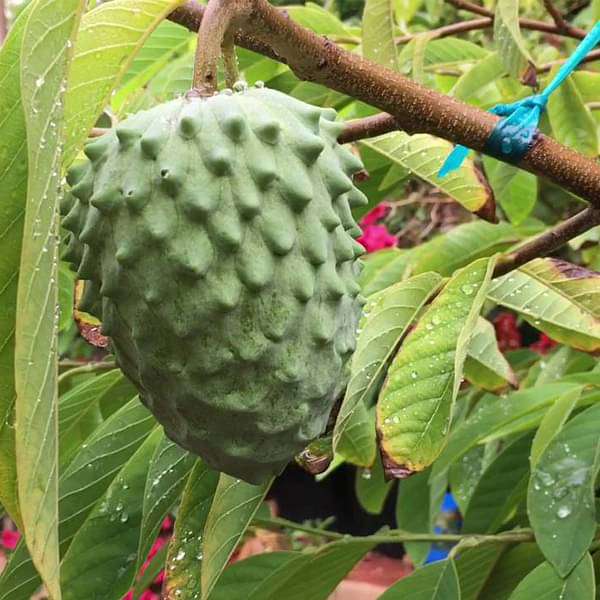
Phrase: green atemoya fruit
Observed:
(217, 244)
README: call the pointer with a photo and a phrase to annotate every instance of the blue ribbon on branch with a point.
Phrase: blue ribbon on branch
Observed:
(515, 134)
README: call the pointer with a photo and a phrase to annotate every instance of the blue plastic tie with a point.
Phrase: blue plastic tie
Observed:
(515, 134)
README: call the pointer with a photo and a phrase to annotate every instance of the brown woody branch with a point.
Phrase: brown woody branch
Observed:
(448, 30)
(563, 29)
(549, 241)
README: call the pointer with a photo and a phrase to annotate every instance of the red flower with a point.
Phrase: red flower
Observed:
(543, 345)
(10, 539)
(376, 214)
(507, 332)
(128, 595)
(149, 595)
(167, 524)
(377, 237)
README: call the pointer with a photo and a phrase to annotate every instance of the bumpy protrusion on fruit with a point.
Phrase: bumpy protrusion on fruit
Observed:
(217, 240)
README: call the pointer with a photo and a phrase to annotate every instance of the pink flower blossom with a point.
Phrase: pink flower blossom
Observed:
(160, 578)
(377, 237)
(10, 539)
(167, 524)
(376, 214)
(149, 595)
(128, 595)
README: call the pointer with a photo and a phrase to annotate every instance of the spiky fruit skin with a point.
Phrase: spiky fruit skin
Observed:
(218, 246)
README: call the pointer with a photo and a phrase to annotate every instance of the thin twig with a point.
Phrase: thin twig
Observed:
(448, 30)
(559, 20)
(532, 24)
(396, 536)
(77, 368)
(549, 241)
(590, 57)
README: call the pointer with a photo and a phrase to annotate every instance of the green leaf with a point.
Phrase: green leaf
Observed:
(423, 155)
(413, 513)
(382, 269)
(154, 567)
(474, 84)
(318, 19)
(552, 423)
(464, 474)
(233, 507)
(185, 549)
(437, 581)
(79, 410)
(167, 475)
(371, 488)
(560, 499)
(13, 182)
(378, 33)
(556, 297)
(508, 40)
(45, 58)
(357, 444)
(82, 483)
(544, 582)
(462, 245)
(572, 122)
(499, 489)
(486, 366)
(514, 189)
(66, 287)
(494, 413)
(474, 567)
(98, 463)
(109, 37)
(240, 579)
(416, 402)
(166, 42)
(101, 560)
(443, 254)
(387, 317)
(319, 571)
(510, 569)
(19, 579)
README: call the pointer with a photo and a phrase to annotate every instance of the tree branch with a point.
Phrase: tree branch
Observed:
(412, 107)
(448, 30)
(565, 29)
(592, 56)
(561, 24)
(549, 241)
(398, 535)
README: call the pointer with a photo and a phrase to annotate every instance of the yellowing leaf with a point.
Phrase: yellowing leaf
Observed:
(416, 402)
(387, 317)
(51, 26)
(556, 297)
(424, 155)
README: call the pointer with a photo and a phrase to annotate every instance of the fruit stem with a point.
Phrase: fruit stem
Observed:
(230, 61)
(214, 37)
